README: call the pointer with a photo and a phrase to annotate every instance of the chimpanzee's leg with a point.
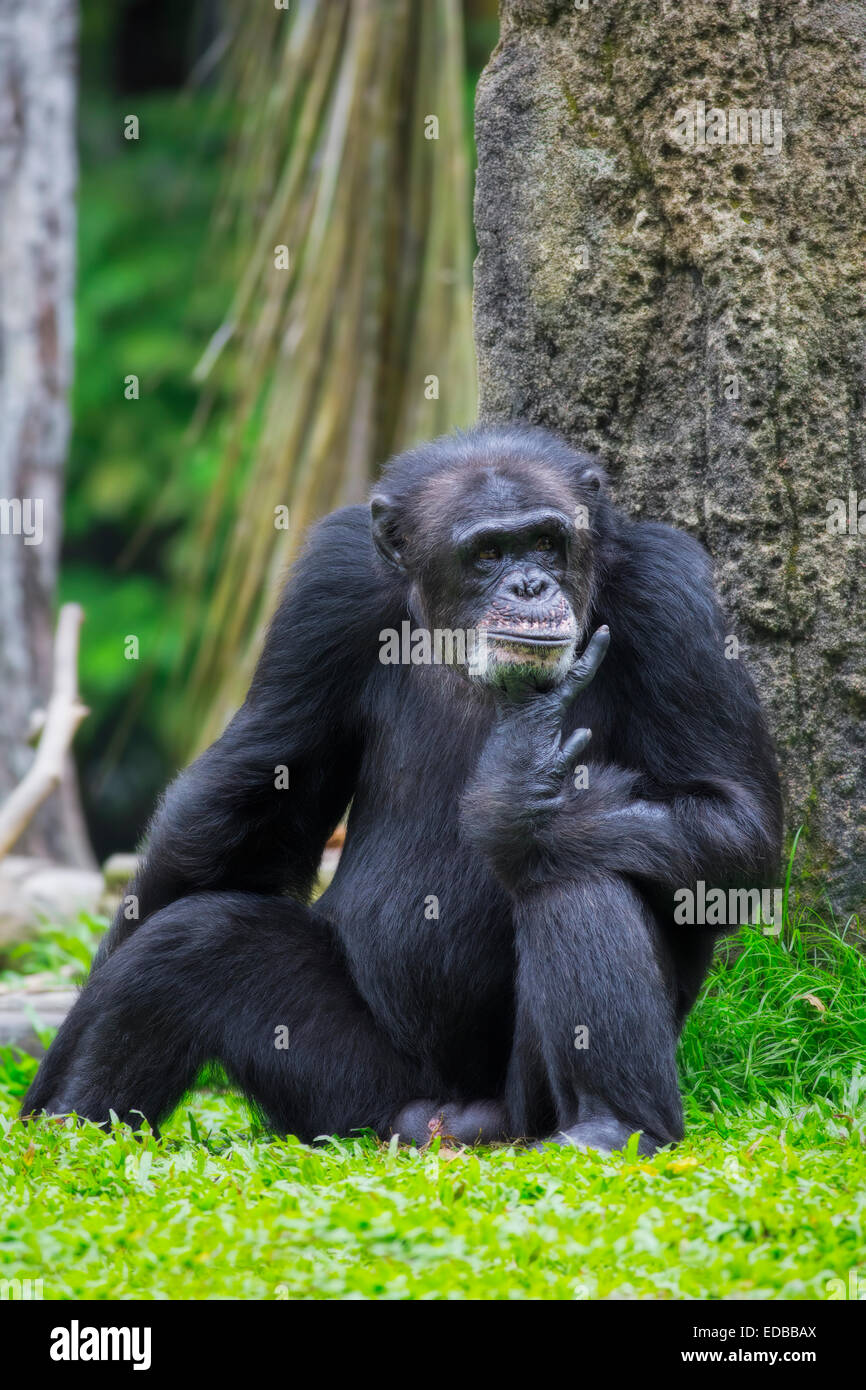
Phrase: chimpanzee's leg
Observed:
(256, 983)
(597, 1013)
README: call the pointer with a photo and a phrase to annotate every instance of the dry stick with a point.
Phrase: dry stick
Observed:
(63, 716)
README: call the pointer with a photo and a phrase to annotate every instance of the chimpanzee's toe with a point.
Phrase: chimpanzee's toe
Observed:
(471, 1122)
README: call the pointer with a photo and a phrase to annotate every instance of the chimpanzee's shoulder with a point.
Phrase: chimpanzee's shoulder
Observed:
(341, 542)
(668, 552)
(337, 578)
(662, 570)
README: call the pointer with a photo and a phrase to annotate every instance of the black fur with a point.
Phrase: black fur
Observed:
(554, 905)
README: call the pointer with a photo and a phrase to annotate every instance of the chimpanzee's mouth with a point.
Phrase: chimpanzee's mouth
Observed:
(531, 645)
(535, 636)
(550, 628)
(535, 649)
(532, 641)
(551, 625)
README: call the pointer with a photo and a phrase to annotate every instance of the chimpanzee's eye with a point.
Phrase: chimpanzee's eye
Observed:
(544, 543)
(489, 552)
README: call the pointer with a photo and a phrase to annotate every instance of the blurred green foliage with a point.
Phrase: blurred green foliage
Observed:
(151, 290)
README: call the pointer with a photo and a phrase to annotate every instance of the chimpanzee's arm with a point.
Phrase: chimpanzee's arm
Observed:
(693, 791)
(229, 821)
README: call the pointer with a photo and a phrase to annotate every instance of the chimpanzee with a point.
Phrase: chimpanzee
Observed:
(497, 956)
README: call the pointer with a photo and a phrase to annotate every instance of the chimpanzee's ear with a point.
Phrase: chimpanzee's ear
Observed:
(592, 476)
(385, 530)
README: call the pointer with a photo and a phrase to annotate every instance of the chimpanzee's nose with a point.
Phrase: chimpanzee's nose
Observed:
(530, 586)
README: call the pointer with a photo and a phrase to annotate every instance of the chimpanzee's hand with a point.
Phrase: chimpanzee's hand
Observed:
(527, 734)
(521, 775)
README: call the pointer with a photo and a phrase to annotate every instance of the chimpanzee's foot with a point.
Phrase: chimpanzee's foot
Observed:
(600, 1136)
(475, 1122)
(599, 1129)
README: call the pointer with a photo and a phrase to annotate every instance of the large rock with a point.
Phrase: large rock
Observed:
(28, 1011)
(697, 315)
(36, 890)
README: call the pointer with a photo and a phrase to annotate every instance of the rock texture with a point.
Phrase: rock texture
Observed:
(29, 1011)
(697, 314)
(36, 890)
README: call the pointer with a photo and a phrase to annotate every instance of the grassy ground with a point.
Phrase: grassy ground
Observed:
(765, 1198)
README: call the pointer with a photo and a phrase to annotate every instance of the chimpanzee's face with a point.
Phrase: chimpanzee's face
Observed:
(499, 556)
(511, 569)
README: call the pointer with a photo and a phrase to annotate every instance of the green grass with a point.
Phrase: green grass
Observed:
(765, 1198)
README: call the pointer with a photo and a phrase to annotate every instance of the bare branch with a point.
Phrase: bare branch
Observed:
(62, 718)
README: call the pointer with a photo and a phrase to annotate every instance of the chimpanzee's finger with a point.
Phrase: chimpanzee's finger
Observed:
(583, 670)
(574, 746)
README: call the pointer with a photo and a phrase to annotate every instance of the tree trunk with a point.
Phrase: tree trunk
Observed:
(684, 293)
(37, 263)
